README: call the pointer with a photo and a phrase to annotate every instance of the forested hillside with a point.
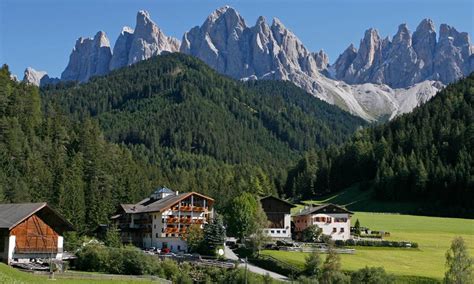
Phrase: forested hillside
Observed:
(167, 121)
(69, 164)
(202, 129)
(423, 156)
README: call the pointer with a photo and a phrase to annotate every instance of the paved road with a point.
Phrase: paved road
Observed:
(229, 254)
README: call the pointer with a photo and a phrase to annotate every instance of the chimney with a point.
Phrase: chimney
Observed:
(177, 193)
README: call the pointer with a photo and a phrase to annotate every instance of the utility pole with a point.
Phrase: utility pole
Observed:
(246, 260)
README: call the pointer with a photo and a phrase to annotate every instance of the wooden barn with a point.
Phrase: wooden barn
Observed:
(278, 213)
(31, 231)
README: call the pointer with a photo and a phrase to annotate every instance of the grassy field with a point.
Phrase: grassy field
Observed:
(11, 275)
(433, 235)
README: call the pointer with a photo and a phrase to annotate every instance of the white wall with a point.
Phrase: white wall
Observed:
(174, 244)
(284, 232)
(60, 247)
(328, 228)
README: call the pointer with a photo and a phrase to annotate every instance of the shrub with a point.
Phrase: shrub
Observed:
(93, 257)
(371, 275)
(312, 265)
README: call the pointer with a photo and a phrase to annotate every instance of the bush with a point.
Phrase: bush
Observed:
(127, 260)
(371, 275)
(93, 258)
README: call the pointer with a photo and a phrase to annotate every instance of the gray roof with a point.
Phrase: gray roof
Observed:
(14, 213)
(149, 205)
(164, 190)
(321, 208)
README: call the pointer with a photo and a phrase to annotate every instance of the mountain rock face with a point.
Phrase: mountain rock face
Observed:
(382, 78)
(38, 78)
(228, 45)
(145, 41)
(264, 51)
(122, 49)
(407, 58)
(93, 57)
(90, 57)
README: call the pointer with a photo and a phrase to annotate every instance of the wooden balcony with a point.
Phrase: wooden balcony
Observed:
(172, 220)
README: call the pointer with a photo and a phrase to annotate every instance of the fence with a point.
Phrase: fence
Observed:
(100, 276)
(313, 249)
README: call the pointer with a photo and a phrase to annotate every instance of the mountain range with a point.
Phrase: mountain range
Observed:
(380, 80)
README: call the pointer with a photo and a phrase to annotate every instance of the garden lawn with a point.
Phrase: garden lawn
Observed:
(433, 234)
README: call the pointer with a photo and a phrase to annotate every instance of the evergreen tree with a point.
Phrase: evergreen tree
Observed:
(214, 235)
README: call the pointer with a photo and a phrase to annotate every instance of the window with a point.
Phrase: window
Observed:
(334, 230)
(284, 231)
(163, 220)
(278, 231)
(156, 235)
(272, 231)
(154, 226)
(179, 247)
(342, 230)
(162, 230)
(154, 216)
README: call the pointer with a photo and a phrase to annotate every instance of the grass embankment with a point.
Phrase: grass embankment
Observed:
(12, 275)
(433, 234)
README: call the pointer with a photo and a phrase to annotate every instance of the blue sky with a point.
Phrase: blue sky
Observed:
(42, 33)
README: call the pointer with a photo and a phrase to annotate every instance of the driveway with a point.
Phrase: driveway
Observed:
(229, 254)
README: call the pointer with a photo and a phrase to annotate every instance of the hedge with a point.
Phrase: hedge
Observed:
(370, 243)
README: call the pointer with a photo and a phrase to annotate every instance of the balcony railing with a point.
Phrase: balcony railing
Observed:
(189, 208)
(38, 250)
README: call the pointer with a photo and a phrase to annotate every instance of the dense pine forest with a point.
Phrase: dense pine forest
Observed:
(167, 121)
(202, 131)
(69, 164)
(425, 156)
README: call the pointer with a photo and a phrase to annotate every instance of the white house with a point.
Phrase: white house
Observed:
(278, 213)
(162, 220)
(334, 220)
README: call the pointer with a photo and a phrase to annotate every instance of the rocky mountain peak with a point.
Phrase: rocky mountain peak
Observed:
(33, 77)
(321, 59)
(38, 78)
(90, 57)
(403, 35)
(426, 26)
(409, 58)
(143, 18)
(225, 18)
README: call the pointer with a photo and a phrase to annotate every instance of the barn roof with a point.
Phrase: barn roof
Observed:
(323, 208)
(13, 214)
(278, 199)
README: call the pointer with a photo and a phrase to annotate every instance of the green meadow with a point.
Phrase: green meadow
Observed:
(433, 234)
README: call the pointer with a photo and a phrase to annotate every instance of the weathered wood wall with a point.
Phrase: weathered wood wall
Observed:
(34, 235)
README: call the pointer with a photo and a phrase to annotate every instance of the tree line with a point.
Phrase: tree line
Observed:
(423, 156)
